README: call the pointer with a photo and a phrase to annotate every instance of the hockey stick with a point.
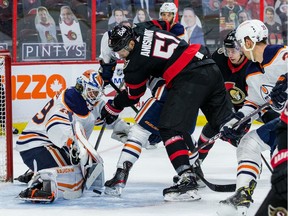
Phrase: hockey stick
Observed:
(100, 135)
(119, 91)
(218, 135)
(217, 187)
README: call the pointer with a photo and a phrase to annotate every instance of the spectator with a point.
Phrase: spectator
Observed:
(70, 28)
(229, 14)
(282, 12)
(117, 17)
(194, 31)
(148, 5)
(29, 5)
(274, 28)
(242, 16)
(123, 4)
(45, 26)
(141, 16)
(253, 8)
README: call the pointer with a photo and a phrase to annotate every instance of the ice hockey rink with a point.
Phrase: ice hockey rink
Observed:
(143, 193)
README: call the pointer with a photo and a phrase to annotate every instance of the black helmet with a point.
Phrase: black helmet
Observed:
(230, 40)
(120, 37)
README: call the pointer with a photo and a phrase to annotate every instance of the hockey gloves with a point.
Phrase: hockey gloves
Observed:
(230, 133)
(109, 112)
(154, 139)
(279, 175)
(278, 94)
(106, 71)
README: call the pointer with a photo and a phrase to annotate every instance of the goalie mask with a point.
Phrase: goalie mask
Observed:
(91, 85)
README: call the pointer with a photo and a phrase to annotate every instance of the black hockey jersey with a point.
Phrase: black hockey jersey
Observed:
(156, 53)
(234, 77)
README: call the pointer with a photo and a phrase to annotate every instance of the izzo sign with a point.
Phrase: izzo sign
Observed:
(38, 86)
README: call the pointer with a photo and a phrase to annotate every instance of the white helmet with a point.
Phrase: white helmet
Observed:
(255, 29)
(91, 86)
(168, 7)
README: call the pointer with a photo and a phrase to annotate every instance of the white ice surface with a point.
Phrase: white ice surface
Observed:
(143, 193)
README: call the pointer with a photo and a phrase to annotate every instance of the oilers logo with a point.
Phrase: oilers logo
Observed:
(276, 211)
(265, 91)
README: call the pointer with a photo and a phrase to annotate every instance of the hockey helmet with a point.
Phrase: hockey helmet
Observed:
(230, 42)
(168, 7)
(91, 85)
(256, 30)
(120, 37)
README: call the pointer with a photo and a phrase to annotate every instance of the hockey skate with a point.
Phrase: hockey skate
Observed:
(38, 192)
(238, 203)
(115, 185)
(184, 190)
(196, 169)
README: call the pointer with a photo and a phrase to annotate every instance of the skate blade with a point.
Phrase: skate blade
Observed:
(177, 197)
(228, 210)
(35, 200)
(115, 191)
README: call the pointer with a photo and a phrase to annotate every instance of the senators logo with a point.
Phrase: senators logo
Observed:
(71, 35)
(237, 96)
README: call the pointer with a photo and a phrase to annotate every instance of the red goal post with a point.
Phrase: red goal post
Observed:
(6, 136)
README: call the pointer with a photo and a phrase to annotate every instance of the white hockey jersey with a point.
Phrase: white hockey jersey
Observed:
(51, 125)
(261, 78)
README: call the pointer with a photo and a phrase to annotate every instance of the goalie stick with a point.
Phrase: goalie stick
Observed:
(80, 136)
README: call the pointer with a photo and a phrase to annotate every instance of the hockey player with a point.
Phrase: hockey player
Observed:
(49, 147)
(149, 51)
(275, 202)
(232, 63)
(269, 62)
(168, 12)
(144, 133)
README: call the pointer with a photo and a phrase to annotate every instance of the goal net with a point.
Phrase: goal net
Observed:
(6, 142)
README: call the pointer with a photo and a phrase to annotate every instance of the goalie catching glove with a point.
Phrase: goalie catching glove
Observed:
(109, 112)
(230, 133)
(73, 151)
